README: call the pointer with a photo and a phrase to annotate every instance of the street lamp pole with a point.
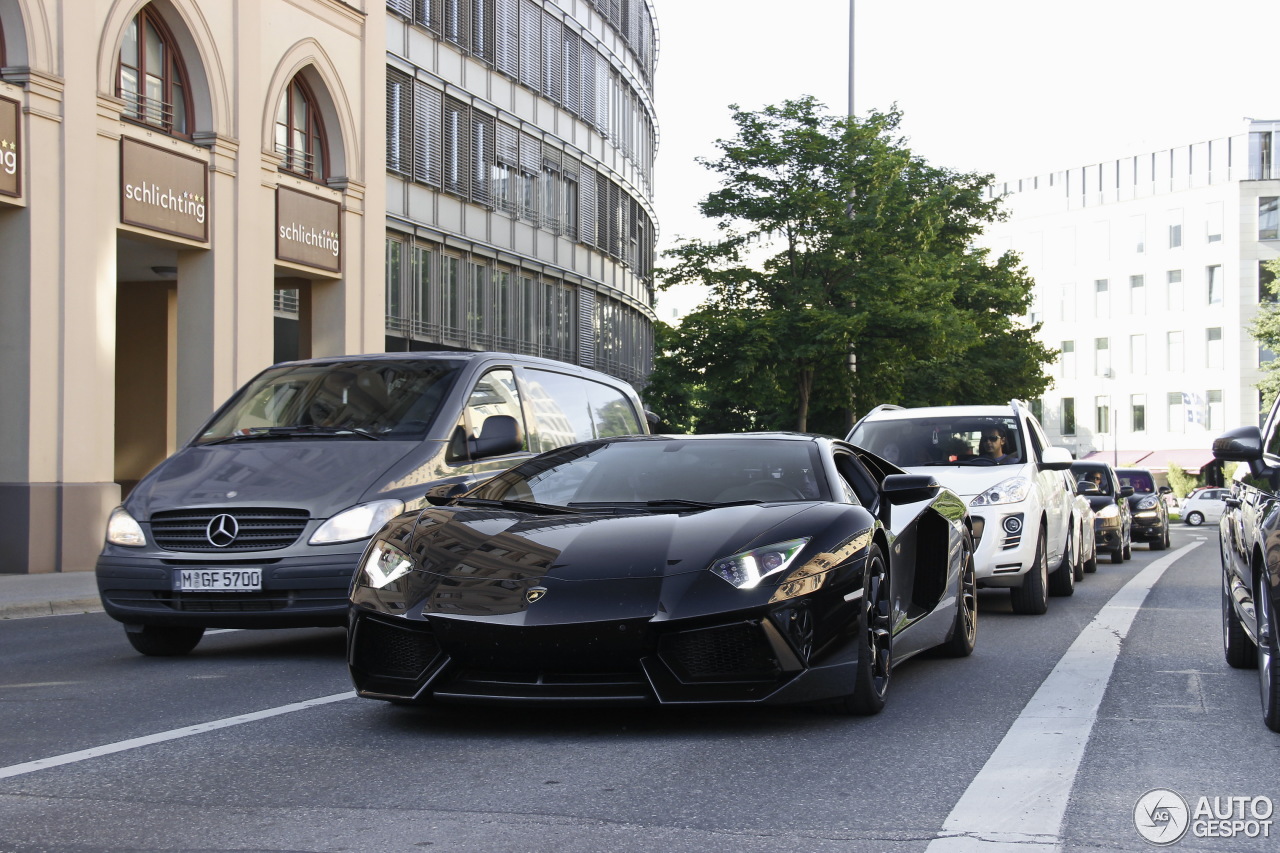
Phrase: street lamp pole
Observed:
(851, 4)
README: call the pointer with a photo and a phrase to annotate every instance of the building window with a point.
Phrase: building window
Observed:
(1213, 348)
(1102, 356)
(395, 299)
(1037, 409)
(1067, 360)
(1101, 298)
(1214, 416)
(1213, 283)
(300, 136)
(1139, 234)
(1174, 293)
(1173, 350)
(1266, 283)
(152, 80)
(1176, 411)
(1175, 229)
(1102, 421)
(1213, 222)
(1068, 416)
(1138, 354)
(1269, 218)
(1138, 294)
(1138, 412)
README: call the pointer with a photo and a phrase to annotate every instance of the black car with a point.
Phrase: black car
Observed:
(1250, 561)
(761, 568)
(1150, 514)
(1113, 517)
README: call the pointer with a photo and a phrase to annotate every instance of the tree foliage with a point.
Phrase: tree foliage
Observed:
(1265, 329)
(838, 246)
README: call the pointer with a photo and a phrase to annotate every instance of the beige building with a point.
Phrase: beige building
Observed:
(170, 172)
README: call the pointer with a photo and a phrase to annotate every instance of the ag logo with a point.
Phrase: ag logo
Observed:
(1161, 816)
(535, 594)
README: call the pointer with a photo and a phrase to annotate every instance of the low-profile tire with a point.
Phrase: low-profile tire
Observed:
(1268, 652)
(1063, 580)
(875, 641)
(1117, 556)
(1195, 519)
(1091, 564)
(1238, 649)
(1127, 553)
(1032, 597)
(1163, 542)
(164, 641)
(964, 630)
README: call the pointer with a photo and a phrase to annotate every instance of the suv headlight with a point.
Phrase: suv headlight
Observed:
(383, 563)
(747, 569)
(1149, 502)
(1109, 511)
(122, 529)
(1010, 491)
(358, 522)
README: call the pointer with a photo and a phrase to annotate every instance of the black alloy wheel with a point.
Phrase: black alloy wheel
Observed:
(1032, 597)
(1063, 580)
(964, 631)
(875, 641)
(1268, 665)
(1240, 651)
(164, 641)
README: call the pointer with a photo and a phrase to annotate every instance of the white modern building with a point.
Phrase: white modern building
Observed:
(1148, 273)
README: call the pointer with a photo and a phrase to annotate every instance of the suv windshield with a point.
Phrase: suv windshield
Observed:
(393, 400)
(1141, 481)
(952, 440)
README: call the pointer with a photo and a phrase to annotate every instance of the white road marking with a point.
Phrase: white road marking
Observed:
(161, 737)
(1018, 800)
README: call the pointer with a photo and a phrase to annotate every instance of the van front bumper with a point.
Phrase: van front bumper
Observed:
(297, 592)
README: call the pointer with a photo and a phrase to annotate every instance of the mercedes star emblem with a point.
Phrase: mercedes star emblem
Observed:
(222, 531)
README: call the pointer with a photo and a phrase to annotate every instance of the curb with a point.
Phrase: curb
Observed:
(51, 608)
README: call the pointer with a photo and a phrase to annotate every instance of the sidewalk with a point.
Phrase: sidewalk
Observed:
(52, 594)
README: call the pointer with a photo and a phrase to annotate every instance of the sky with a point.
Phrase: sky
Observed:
(1016, 88)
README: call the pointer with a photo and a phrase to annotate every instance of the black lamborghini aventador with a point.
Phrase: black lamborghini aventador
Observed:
(761, 568)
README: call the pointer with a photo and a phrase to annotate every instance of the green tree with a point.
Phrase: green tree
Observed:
(1265, 329)
(838, 246)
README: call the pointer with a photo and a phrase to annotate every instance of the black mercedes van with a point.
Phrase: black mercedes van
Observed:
(260, 519)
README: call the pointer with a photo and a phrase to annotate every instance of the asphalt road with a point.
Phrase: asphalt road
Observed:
(254, 742)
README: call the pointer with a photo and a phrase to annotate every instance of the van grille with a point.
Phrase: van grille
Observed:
(254, 528)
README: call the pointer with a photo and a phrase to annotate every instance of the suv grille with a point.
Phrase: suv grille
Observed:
(254, 529)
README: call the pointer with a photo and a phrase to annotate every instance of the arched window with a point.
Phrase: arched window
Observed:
(153, 82)
(300, 133)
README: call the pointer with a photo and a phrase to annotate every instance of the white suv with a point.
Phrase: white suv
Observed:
(998, 459)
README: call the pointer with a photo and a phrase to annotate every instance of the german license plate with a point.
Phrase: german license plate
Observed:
(218, 580)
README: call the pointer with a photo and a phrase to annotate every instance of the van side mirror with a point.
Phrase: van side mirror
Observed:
(499, 435)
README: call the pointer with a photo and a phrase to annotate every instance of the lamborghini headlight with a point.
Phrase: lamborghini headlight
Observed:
(384, 563)
(747, 569)
(1010, 491)
(358, 522)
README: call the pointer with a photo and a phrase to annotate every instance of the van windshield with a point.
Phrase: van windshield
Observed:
(388, 400)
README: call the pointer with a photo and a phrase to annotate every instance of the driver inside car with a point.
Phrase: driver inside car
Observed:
(994, 444)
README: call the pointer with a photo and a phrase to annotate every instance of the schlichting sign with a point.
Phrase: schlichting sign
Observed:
(308, 230)
(163, 191)
(10, 149)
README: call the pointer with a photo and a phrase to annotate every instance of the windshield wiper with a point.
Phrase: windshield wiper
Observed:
(300, 431)
(520, 506)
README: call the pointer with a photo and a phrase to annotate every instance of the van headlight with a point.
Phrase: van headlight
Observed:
(383, 563)
(358, 522)
(1010, 491)
(122, 529)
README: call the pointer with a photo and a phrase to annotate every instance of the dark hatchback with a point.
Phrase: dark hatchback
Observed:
(1248, 530)
(1150, 515)
(1113, 518)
